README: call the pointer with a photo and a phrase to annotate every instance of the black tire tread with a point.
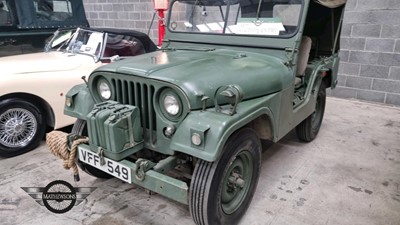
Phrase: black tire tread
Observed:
(304, 130)
(196, 198)
(202, 180)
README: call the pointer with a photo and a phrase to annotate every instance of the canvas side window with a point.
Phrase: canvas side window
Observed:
(5, 17)
(53, 10)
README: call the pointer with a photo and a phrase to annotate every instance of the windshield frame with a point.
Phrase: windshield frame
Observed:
(69, 46)
(174, 33)
(57, 35)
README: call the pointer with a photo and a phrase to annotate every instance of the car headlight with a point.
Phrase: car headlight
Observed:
(104, 89)
(170, 104)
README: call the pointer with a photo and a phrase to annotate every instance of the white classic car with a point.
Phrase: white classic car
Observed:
(32, 86)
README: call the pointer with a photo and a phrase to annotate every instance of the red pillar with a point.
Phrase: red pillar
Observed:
(161, 26)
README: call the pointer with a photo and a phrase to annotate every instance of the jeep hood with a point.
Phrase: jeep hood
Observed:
(200, 73)
(43, 62)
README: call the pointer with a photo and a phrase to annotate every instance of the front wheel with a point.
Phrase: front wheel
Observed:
(308, 129)
(221, 191)
(22, 127)
(80, 128)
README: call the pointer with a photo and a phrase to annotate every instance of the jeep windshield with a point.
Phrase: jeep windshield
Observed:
(276, 18)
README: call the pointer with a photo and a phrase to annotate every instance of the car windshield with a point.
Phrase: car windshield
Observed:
(58, 39)
(86, 42)
(236, 17)
(81, 42)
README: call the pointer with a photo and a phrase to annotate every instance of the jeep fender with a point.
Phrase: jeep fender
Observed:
(81, 102)
(215, 128)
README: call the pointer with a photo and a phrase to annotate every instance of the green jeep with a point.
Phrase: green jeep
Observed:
(186, 121)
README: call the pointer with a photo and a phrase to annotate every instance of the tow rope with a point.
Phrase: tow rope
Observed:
(57, 142)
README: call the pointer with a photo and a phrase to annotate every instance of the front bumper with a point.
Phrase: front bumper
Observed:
(154, 180)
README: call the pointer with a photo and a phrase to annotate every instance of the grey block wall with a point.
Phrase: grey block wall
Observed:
(128, 14)
(370, 42)
(370, 52)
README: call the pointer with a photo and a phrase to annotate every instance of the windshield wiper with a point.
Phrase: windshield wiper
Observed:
(64, 43)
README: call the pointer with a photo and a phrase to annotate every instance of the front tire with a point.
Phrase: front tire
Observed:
(22, 127)
(308, 129)
(221, 191)
(80, 128)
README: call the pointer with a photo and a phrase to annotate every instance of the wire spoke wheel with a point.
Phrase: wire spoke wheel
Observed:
(22, 126)
(17, 127)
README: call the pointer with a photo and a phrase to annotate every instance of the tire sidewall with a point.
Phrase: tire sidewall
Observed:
(39, 134)
(322, 98)
(235, 145)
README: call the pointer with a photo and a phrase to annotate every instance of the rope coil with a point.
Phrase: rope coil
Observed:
(58, 144)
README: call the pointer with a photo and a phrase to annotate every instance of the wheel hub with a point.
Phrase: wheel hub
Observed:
(14, 127)
(236, 182)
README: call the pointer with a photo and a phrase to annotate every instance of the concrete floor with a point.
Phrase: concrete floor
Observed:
(349, 175)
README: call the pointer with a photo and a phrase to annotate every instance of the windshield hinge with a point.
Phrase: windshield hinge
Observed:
(289, 52)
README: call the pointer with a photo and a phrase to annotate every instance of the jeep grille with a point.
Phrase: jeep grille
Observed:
(140, 95)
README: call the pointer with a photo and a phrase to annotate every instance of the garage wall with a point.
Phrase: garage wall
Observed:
(370, 52)
(370, 43)
(129, 14)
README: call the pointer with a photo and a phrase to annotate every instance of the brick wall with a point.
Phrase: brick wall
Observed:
(129, 14)
(370, 52)
(370, 42)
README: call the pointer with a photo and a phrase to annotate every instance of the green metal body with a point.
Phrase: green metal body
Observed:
(261, 68)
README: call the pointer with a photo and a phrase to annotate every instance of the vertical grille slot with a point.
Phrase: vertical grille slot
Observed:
(119, 92)
(150, 111)
(140, 95)
(125, 92)
(131, 89)
(137, 94)
(143, 108)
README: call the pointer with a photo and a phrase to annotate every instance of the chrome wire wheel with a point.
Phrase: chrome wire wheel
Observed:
(18, 127)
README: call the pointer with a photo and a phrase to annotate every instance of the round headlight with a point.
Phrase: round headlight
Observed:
(104, 89)
(171, 105)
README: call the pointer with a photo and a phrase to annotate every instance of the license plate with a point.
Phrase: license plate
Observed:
(111, 167)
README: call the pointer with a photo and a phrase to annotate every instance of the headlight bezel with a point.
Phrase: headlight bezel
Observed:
(170, 92)
(101, 81)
